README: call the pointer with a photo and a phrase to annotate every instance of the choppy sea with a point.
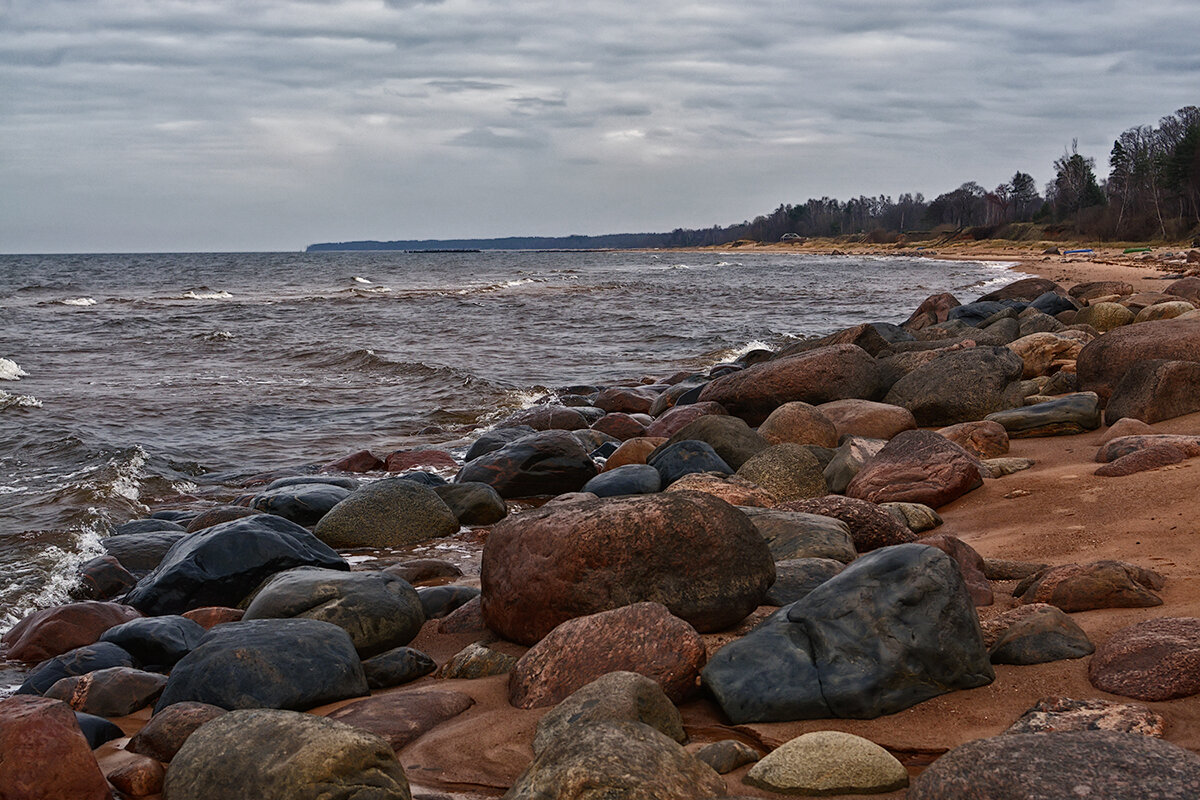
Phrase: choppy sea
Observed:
(131, 383)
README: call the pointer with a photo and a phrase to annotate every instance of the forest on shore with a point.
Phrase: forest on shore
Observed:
(1151, 193)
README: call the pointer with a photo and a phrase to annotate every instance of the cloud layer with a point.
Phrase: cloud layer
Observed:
(269, 124)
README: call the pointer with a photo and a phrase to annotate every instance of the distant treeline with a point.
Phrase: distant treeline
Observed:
(1152, 192)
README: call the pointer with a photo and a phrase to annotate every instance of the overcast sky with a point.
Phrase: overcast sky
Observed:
(148, 125)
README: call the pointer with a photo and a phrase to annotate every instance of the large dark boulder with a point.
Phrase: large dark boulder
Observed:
(614, 696)
(960, 386)
(282, 755)
(871, 526)
(732, 439)
(1098, 765)
(219, 566)
(1061, 416)
(695, 554)
(268, 663)
(79, 661)
(547, 463)
(393, 512)
(893, 629)
(473, 503)
(1104, 361)
(674, 461)
(917, 467)
(157, 643)
(111, 692)
(1155, 390)
(795, 534)
(302, 503)
(378, 610)
(1024, 289)
(165, 733)
(495, 439)
(141, 552)
(625, 479)
(819, 376)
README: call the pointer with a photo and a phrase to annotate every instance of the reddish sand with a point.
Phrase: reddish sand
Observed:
(1057, 512)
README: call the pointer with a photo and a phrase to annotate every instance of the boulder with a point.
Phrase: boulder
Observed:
(1104, 361)
(961, 386)
(54, 631)
(982, 439)
(546, 463)
(627, 399)
(209, 617)
(917, 516)
(893, 629)
(1093, 289)
(865, 336)
(788, 471)
(933, 310)
(867, 418)
(473, 503)
(917, 467)
(165, 733)
(1100, 584)
(420, 459)
(1047, 634)
(79, 661)
(1127, 445)
(819, 376)
(268, 663)
(549, 417)
(421, 570)
(400, 718)
(103, 578)
(796, 577)
(396, 667)
(1062, 416)
(795, 534)
(828, 763)
(848, 459)
(1154, 390)
(1105, 316)
(871, 527)
(378, 610)
(476, 660)
(675, 460)
(673, 420)
(303, 504)
(1039, 350)
(633, 451)
(156, 643)
(282, 755)
(112, 692)
(220, 565)
(1024, 289)
(730, 488)
(215, 516)
(1059, 714)
(97, 730)
(628, 479)
(393, 512)
(359, 461)
(1166, 310)
(1098, 765)
(46, 756)
(1152, 660)
(621, 759)
(613, 697)
(695, 554)
(496, 438)
(441, 601)
(799, 423)
(1152, 457)
(970, 566)
(726, 755)
(731, 438)
(619, 426)
(643, 638)
(141, 552)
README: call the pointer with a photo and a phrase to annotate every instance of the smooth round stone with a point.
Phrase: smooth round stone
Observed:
(828, 763)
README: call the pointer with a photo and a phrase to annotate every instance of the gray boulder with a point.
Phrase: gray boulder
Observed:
(1062, 416)
(796, 534)
(961, 386)
(393, 512)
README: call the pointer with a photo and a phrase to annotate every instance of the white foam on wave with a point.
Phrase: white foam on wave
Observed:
(734, 353)
(203, 295)
(216, 336)
(372, 289)
(61, 566)
(11, 370)
(8, 400)
(79, 301)
(520, 282)
(358, 279)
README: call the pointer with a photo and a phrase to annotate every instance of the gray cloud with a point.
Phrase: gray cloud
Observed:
(226, 124)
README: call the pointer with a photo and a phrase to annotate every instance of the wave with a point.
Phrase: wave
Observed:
(734, 353)
(8, 401)
(11, 370)
(357, 279)
(205, 294)
(214, 336)
(78, 301)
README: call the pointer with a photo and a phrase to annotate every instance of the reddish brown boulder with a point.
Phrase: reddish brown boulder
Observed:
(730, 488)
(1154, 660)
(215, 516)
(138, 777)
(1024, 289)
(1155, 390)
(1100, 584)
(732, 439)
(1124, 445)
(53, 631)
(620, 425)
(697, 555)
(103, 578)
(467, 618)
(643, 638)
(422, 570)
(1094, 289)
(933, 309)
(165, 733)
(1104, 361)
(870, 526)
(210, 616)
(112, 692)
(983, 438)
(917, 467)
(403, 717)
(866, 418)
(1142, 460)
(829, 373)
(1127, 426)
(633, 451)
(43, 753)
(970, 564)
(994, 627)
(1058, 714)
(676, 418)
(405, 460)
(864, 336)
(625, 399)
(1187, 288)
(546, 418)
(362, 461)
(799, 423)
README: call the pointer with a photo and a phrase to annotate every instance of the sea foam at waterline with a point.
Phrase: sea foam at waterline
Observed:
(11, 370)
(79, 301)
